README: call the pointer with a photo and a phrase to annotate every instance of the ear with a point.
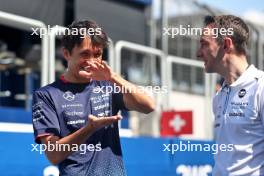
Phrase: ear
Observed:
(66, 54)
(228, 44)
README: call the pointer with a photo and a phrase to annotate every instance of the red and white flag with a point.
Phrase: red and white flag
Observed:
(175, 123)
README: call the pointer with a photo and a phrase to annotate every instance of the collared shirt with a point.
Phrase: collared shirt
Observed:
(239, 124)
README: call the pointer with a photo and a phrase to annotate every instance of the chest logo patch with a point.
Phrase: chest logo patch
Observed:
(242, 93)
(68, 96)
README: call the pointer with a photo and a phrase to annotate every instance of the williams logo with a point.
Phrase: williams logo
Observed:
(242, 93)
(68, 96)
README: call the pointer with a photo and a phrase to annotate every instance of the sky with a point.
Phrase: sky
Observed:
(250, 9)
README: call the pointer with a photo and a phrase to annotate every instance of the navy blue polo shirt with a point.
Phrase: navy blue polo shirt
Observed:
(62, 108)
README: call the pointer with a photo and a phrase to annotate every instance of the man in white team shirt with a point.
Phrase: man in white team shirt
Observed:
(239, 105)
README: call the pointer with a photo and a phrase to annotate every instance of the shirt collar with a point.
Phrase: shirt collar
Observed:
(251, 73)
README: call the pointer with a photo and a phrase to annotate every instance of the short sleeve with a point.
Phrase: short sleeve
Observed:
(118, 102)
(44, 117)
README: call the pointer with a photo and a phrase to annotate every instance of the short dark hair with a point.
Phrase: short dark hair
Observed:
(69, 41)
(240, 30)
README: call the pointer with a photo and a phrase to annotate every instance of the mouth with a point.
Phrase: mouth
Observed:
(84, 68)
(84, 72)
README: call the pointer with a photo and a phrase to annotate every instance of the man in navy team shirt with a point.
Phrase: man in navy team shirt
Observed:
(79, 110)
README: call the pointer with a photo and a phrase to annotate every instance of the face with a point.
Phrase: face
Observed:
(81, 56)
(209, 51)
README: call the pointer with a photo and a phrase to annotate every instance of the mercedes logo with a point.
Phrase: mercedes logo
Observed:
(68, 96)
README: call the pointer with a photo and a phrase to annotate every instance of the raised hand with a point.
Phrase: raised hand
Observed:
(97, 71)
(96, 123)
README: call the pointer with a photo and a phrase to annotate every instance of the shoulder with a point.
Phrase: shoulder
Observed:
(46, 90)
(259, 76)
(261, 84)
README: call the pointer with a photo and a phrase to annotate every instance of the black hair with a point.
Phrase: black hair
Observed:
(70, 39)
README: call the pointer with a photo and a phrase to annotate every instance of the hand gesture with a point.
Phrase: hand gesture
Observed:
(97, 71)
(96, 123)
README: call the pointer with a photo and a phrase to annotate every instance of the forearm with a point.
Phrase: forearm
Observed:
(134, 98)
(76, 138)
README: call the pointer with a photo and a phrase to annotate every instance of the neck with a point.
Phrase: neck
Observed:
(234, 68)
(69, 77)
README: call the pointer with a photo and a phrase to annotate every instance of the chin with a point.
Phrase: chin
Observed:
(209, 70)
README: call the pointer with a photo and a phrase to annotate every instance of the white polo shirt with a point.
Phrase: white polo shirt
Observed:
(239, 120)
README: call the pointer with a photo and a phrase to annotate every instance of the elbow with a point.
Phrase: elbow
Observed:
(54, 159)
(54, 162)
(150, 107)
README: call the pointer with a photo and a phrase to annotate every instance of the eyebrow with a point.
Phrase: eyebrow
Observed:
(91, 51)
(85, 52)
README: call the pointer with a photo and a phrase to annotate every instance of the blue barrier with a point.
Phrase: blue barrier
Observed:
(15, 115)
(148, 156)
(17, 159)
(142, 156)
(145, 156)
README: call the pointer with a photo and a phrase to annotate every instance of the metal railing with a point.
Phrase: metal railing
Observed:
(27, 24)
(52, 50)
(146, 50)
(210, 82)
(166, 75)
